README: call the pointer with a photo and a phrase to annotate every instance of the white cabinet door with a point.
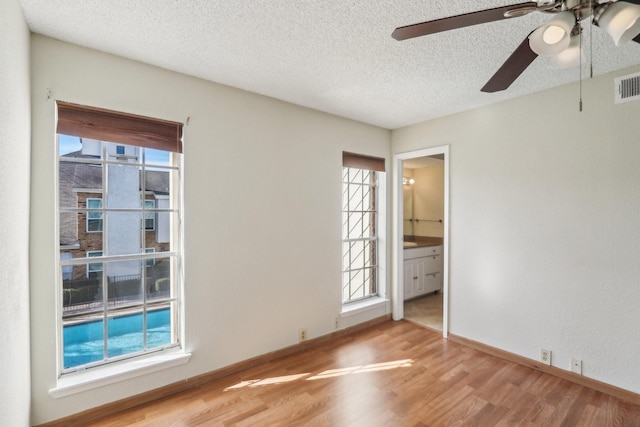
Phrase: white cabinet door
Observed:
(422, 271)
(408, 279)
(419, 268)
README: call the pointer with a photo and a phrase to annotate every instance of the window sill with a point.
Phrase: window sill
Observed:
(79, 382)
(359, 307)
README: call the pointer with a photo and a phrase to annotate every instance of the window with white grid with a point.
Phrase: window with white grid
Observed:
(120, 282)
(359, 230)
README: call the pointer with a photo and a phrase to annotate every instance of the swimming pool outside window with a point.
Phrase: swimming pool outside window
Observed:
(120, 255)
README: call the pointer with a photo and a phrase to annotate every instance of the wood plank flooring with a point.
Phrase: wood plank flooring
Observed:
(393, 374)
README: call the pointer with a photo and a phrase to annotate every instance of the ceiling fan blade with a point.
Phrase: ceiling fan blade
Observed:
(458, 21)
(636, 38)
(519, 60)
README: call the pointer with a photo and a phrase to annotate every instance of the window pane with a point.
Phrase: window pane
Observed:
(359, 254)
(126, 333)
(79, 170)
(345, 225)
(94, 225)
(94, 204)
(157, 157)
(81, 292)
(356, 251)
(124, 187)
(345, 286)
(67, 270)
(125, 233)
(94, 267)
(160, 237)
(94, 218)
(125, 283)
(356, 284)
(354, 230)
(158, 182)
(69, 230)
(77, 183)
(345, 256)
(159, 279)
(150, 217)
(159, 326)
(83, 341)
(123, 153)
(68, 144)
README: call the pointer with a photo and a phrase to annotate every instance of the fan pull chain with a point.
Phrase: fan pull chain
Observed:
(590, 51)
(591, 41)
(580, 35)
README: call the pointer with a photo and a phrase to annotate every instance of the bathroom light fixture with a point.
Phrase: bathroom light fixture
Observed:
(408, 181)
(553, 37)
(620, 20)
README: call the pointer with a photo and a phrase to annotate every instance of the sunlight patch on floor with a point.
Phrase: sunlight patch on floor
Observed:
(267, 381)
(406, 363)
(331, 373)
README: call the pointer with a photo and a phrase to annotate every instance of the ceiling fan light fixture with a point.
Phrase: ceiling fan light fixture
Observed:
(570, 57)
(620, 20)
(553, 37)
(553, 34)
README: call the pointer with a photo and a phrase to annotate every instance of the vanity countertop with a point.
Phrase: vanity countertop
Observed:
(421, 241)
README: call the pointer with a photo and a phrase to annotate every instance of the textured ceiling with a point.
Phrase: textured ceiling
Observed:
(335, 56)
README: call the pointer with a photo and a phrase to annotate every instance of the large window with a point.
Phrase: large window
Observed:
(119, 283)
(360, 175)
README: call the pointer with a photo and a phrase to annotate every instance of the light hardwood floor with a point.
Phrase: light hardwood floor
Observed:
(393, 374)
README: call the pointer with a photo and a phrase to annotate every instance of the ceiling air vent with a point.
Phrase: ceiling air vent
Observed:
(627, 88)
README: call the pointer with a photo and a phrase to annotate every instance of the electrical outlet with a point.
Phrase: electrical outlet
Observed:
(303, 334)
(545, 356)
(576, 366)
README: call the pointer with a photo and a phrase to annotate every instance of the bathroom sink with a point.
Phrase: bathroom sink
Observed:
(409, 244)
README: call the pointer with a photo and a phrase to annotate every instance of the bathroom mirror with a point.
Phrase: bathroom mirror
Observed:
(408, 209)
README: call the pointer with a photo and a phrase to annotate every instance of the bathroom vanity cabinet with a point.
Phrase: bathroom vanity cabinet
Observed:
(422, 271)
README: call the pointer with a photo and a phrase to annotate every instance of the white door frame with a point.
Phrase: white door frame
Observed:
(397, 308)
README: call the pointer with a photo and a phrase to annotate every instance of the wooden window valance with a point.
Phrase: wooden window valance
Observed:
(123, 128)
(352, 160)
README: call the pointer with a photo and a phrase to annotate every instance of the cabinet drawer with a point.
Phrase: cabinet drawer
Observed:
(433, 264)
(415, 253)
(434, 250)
(433, 282)
(422, 252)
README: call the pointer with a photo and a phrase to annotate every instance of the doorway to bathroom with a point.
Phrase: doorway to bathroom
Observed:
(421, 230)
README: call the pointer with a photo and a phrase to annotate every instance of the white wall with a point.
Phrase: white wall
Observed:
(545, 226)
(262, 213)
(15, 127)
